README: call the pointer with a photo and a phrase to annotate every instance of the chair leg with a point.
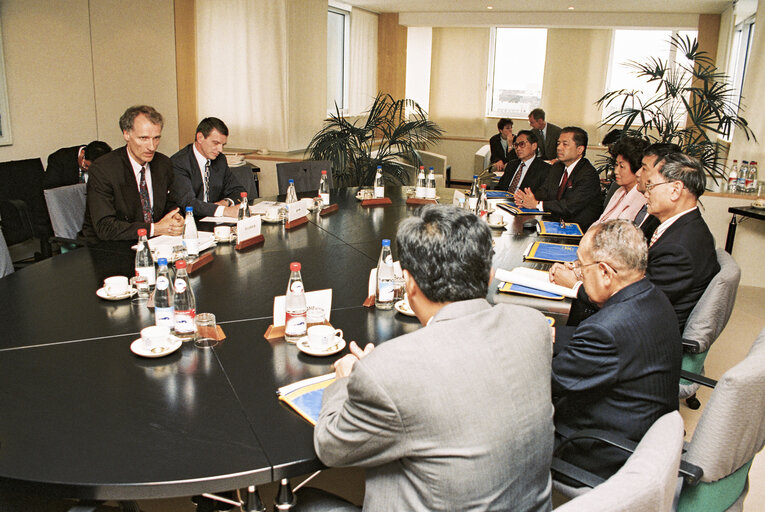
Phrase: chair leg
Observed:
(692, 402)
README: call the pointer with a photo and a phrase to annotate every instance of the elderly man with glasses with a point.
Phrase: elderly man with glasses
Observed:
(526, 171)
(619, 369)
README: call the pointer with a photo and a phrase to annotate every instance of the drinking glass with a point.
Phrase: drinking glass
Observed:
(207, 335)
(141, 284)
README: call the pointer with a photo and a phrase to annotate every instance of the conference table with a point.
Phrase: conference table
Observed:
(83, 417)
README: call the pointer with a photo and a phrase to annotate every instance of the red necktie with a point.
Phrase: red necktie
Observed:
(143, 190)
(562, 184)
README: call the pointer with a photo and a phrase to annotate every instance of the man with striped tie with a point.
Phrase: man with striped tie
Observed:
(527, 171)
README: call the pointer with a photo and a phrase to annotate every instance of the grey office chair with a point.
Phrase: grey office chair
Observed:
(706, 321)
(647, 481)
(66, 207)
(6, 264)
(306, 174)
(245, 176)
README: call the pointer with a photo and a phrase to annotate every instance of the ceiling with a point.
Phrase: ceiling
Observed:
(597, 6)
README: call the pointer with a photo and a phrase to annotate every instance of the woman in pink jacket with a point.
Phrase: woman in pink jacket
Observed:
(627, 200)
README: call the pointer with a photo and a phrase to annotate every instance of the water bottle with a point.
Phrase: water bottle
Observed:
(741, 182)
(386, 288)
(244, 206)
(163, 296)
(144, 262)
(474, 190)
(421, 189)
(379, 183)
(295, 307)
(482, 206)
(190, 239)
(751, 177)
(291, 194)
(184, 305)
(733, 176)
(324, 188)
(430, 192)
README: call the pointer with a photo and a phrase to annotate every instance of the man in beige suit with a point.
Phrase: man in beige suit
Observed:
(454, 416)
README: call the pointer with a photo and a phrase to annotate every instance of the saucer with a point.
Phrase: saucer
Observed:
(270, 220)
(225, 240)
(403, 307)
(759, 207)
(303, 346)
(497, 226)
(138, 349)
(101, 292)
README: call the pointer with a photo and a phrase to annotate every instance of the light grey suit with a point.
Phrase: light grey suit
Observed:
(454, 416)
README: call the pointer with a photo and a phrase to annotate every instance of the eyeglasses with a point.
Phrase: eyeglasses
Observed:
(521, 144)
(577, 267)
(650, 186)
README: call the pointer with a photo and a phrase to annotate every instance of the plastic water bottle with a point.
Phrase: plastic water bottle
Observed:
(379, 183)
(733, 176)
(430, 192)
(751, 177)
(244, 206)
(482, 206)
(386, 288)
(741, 182)
(295, 307)
(420, 191)
(163, 296)
(144, 262)
(184, 305)
(324, 188)
(291, 194)
(190, 237)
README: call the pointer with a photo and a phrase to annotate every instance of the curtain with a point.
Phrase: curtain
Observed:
(362, 85)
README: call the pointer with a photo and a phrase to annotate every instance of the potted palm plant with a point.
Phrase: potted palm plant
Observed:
(389, 136)
(691, 104)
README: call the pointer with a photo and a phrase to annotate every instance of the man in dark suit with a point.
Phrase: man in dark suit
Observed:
(501, 145)
(653, 156)
(69, 166)
(128, 188)
(203, 179)
(526, 171)
(619, 370)
(547, 133)
(571, 191)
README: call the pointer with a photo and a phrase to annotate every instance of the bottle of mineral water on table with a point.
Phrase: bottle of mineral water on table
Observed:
(385, 289)
(295, 326)
(184, 305)
(324, 188)
(144, 262)
(163, 296)
(190, 236)
(379, 183)
(421, 190)
(430, 192)
(244, 206)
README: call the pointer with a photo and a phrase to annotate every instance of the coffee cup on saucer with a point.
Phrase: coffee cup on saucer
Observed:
(116, 285)
(322, 337)
(222, 232)
(155, 337)
(495, 218)
(272, 213)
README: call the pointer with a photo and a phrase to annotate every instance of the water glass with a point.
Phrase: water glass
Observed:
(141, 284)
(314, 315)
(207, 334)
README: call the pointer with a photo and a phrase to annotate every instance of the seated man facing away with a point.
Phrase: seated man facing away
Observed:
(203, 179)
(69, 166)
(457, 415)
(620, 369)
(571, 191)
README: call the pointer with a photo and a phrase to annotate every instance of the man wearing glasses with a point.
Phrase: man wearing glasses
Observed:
(527, 171)
(620, 369)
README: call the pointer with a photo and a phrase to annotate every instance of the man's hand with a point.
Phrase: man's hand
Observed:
(563, 274)
(525, 198)
(499, 166)
(231, 211)
(171, 224)
(344, 365)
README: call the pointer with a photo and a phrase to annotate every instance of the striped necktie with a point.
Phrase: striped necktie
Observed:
(207, 181)
(641, 215)
(143, 190)
(516, 179)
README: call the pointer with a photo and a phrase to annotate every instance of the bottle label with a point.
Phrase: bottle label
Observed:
(192, 246)
(295, 324)
(164, 316)
(296, 287)
(184, 321)
(324, 199)
(430, 193)
(379, 192)
(180, 286)
(162, 283)
(385, 291)
(147, 272)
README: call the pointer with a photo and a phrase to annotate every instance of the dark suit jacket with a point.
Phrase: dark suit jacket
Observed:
(188, 189)
(498, 152)
(581, 201)
(620, 373)
(62, 169)
(113, 204)
(548, 146)
(534, 179)
(682, 262)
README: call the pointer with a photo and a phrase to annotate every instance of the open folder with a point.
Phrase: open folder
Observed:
(305, 396)
(534, 279)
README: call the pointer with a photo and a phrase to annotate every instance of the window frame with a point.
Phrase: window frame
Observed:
(345, 12)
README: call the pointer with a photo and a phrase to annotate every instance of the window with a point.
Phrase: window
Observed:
(743, 36)
(338, 33)
(514, 94)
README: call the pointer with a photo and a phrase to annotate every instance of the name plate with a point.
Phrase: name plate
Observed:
(248, 228)
(457, 196)
(296, 211)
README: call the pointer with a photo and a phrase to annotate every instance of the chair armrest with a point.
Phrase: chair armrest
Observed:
(66, 241)
(600, 435)
(698, 379)
(690, 472)
(575, 473)
(691, 346)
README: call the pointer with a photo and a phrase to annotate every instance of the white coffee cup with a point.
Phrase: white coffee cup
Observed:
(272, 212)
(495, 218)
(116, 285)
(321, 337)
(154, 336)
(222, 232)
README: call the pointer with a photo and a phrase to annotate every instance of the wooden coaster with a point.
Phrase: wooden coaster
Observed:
(328, 209)
(274, 332)
(250, 242)
(200, 262)
(369, 302)
(295, 223)
(218, 334)
(419, 200)
(382, 201)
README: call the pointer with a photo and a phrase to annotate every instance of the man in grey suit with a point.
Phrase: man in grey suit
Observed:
(547, 133)
(457, 415)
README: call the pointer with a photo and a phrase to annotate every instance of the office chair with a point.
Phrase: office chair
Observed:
(246, 178)
(306, 174)
(66, 206)
(6, 264)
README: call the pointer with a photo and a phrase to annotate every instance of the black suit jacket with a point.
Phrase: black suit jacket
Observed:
(188, 189)
(620, 373)
(534, 179)
(581, 202)
(62, 169)
(498, 152)
(548, 146)
(114, 205)
(682, 262)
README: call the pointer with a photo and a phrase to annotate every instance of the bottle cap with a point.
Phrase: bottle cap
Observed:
(295, 266)
(483, 186)
(475, 176)
(242, 194)
(431, 168)
(189, 209)
(162, 261)
(422, 167)
(181, 263)
(142, 232)
(324, 172)
(379, 167)
(291, 182)
(386, 242)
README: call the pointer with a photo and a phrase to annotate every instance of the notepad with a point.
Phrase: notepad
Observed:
(547, 251)
(549, 228)
(305, 396)
(517, 210)
(525, 290)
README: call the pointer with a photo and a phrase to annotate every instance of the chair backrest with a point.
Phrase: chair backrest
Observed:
(22, 180)
(648, 479)
(306, 174)
(438, 163)
(66, 206)
(6, 264)
(244, 175)
(482, 159)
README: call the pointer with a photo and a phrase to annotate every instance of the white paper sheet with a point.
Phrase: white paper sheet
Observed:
(538, 279)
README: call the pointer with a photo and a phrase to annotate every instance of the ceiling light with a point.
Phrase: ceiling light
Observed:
(490, 7)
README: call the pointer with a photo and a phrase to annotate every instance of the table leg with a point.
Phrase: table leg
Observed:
(731, 235)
